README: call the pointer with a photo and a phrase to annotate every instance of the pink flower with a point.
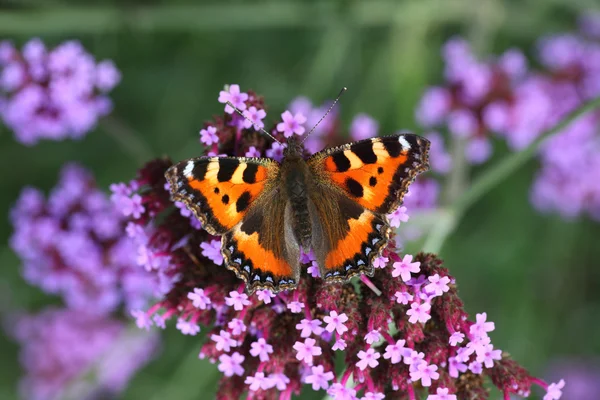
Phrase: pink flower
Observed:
(235, 97)
(419, 312)
(372, 337)
(265, 295)
(425, 372)
(335, 322)
(231, 365)
(339, 344)
(223, 341)
(414, 358)
(259, 381)
(456, 367)
(236, 326)
(340, 392)
(488, 355)
(292, 124)
(405, 267)
(403, 297)
(442, 394)
(305, 351)
(476, 367)
(373, 396)
(308, 326)
(319, 378)
(554, 391)
(380, 262)
(209, 136)
(261, 349)
(142, 319)
(368, 359)
(481, 327)
(199, 299)
(212, 251)
(438, 285)
(398, 216)
(256, 116)
(280, 381)
(456, 338)
(295, 306)
(252, 152)
(237, 300)
(395, 352)
(186, 327)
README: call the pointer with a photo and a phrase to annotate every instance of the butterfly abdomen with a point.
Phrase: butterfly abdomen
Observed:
(296, 178)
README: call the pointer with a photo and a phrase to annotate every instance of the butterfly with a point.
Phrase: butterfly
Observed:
(335, 203)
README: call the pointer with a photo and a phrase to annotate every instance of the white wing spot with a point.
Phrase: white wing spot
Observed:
(404, 143)
(187, 171)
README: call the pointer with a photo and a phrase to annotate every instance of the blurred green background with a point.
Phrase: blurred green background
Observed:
(536, 276)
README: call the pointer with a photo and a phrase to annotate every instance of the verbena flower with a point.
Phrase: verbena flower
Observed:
(54, 93)
(72, 244)
(73, 354)
(274, 346)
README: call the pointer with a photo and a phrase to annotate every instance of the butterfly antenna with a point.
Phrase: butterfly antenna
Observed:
(237, 110)
(328, 111)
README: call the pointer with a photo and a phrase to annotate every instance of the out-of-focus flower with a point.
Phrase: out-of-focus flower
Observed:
(55, 93)
(73, 354)
(72, 244)
(272, 345)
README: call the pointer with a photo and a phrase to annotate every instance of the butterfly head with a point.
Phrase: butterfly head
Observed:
(294, 148)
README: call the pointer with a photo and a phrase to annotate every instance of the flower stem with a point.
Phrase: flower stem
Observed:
(493, 176)
(128, 139)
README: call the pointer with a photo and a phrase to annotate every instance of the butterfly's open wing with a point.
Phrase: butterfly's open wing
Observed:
(363, 181)
(237, 198)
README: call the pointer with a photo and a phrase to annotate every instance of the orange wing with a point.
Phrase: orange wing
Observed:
(356, 185)
(236, 198)
(220, 190)
(374, 172)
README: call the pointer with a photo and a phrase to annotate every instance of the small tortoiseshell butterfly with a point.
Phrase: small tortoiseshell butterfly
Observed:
(334, 203)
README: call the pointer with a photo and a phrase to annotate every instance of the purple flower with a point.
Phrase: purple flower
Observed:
(395, 352)
(481, 327)
(456, 338)
(292, 124)
(456, 367)
(212, 251)
(258, 381)
(380, 262)
(236, 326)
(434, 106)
(442, 394)
(276, 151)
(237, 300)
(372, 337)
(438, 285)
(209, 136)
(265, 296)
(404, 268)
(308, 327)
(199, 299)
(53, 94)
(233, 95)
(187, 327)
(368, 359)
(373, 396)
(403, 297)
(58, 344)
(295, 306)
(488, 355)
(231, 365)
(476, 367)
(305, 351)
(335, 322)
(554, 391)
(398, 216)
(419, 312)
(363, 127)
(223, 341)
(252, 152)
(426, 373)
(256, 116)
(318, 378)
(340, 392)
(261, 349)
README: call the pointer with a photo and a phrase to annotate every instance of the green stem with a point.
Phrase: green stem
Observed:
(493, 176)
(128, 139)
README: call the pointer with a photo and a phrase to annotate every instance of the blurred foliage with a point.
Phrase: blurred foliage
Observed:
(536, 276)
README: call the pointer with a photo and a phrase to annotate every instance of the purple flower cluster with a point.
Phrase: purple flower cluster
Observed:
(72, 244)
(502, 96)
(63, 349)
(53, 94)
(401, 333)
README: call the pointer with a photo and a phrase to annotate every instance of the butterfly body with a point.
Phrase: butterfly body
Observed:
(334, 203)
